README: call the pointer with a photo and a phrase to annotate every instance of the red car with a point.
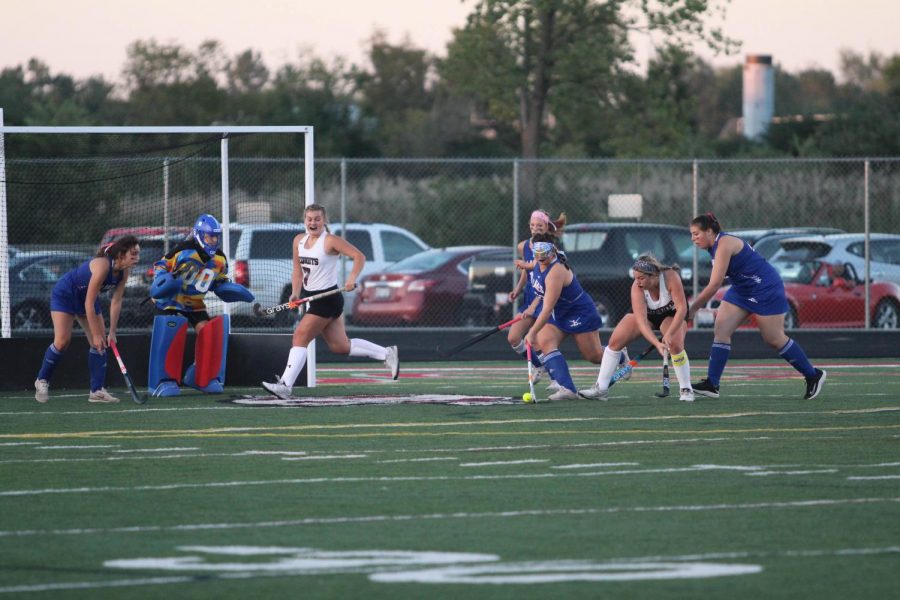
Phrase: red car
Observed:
(823, 295)
(423, 289)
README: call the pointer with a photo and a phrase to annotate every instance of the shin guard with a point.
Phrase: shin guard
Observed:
(207, 374)
(166, 354)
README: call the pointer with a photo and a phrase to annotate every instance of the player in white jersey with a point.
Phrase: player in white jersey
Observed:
(657, 302)
(316, 254)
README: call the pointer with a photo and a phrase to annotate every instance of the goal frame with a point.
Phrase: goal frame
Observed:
(224, 131)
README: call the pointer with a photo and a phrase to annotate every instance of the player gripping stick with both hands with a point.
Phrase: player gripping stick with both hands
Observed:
(316, 255)
(657, 302)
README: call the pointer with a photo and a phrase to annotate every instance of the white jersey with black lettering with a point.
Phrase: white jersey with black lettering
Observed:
(665, 298)
(320, 269)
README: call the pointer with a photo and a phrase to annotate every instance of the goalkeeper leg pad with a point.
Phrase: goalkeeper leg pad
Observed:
(207, 374)
(166, 354)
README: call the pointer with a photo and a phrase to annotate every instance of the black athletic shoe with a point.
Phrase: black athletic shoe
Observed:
(814, 385)
(706, 388)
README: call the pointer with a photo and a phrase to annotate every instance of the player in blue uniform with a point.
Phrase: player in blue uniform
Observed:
(756, 288)
(567, 310)
(76, 297)
(539, 223)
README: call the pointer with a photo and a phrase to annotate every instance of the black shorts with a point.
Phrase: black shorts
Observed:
(657, 319)
(193, 317)
(330, 307)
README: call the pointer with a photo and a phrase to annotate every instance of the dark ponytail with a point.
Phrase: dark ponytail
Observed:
(707, 221)
(118, 248)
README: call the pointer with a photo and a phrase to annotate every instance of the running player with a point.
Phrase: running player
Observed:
(657, 302)
(76, 297)
(756, 288)
(316, 253)
(567, 310)
(538, 223)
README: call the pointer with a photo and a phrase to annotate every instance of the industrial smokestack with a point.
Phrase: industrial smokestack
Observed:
(759, 95)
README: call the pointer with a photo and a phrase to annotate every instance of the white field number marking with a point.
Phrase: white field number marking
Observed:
(397, 566)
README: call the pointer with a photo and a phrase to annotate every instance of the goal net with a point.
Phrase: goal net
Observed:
(66, 190)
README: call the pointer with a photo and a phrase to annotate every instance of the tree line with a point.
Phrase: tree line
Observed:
(527, 78)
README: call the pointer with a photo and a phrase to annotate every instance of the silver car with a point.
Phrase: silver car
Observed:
(884, 251)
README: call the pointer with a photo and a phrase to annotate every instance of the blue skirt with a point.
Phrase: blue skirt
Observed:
(765, 302)
(65, 299)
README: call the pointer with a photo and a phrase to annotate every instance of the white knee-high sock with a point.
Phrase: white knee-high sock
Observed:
(296, 360)
(608, 366)
(359, 347)
(682, 370)
(520, 347)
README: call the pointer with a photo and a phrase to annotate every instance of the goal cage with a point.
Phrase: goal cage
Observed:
(66, 190)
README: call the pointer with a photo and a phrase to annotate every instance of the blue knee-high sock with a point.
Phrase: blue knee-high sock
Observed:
(794, 354)
(51, 357)
(718, 356)
(559, 369)
(536, 359)
(97, 367)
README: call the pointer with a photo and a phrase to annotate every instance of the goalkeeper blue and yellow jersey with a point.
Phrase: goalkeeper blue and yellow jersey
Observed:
(196, 272)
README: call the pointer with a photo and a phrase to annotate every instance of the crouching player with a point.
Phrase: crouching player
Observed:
(182, 279)
(657, 302)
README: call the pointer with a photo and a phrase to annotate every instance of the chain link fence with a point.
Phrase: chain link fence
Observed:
(61, 202)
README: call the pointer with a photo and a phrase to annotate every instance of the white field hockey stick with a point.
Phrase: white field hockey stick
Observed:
(259, 311)
(530, 372)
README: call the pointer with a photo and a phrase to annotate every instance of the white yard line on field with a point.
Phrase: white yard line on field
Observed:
(815, 504)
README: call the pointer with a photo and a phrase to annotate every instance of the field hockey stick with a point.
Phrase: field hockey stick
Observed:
(259, 311)
(138, 399)
(665, 381)
(478, 338)
(631, 365)
(530, 372)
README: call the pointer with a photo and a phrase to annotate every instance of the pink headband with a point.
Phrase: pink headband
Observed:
(540, 216)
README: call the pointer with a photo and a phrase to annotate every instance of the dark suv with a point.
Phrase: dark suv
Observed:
(601, 254)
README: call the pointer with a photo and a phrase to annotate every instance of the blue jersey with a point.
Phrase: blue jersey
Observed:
(575, 311)
(755, 284)
(528, 291)
(70, 292)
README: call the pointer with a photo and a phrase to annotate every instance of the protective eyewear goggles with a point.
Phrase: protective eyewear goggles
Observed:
(543, 250)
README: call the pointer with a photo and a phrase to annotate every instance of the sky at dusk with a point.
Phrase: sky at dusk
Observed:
(89, 37)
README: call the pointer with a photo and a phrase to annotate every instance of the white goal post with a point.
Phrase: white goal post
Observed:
(7, 134)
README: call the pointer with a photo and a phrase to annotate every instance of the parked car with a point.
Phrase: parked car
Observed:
(884, 250)
(259, 258)
(823, 295)
(767, 242)
(427, 288)
(601, 255)
(136, 310)
(32, 276)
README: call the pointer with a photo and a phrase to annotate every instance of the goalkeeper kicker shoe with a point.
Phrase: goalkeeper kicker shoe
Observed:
(278, 388)
(41, 390)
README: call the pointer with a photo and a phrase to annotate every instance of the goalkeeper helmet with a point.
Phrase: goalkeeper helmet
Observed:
(208, 233)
